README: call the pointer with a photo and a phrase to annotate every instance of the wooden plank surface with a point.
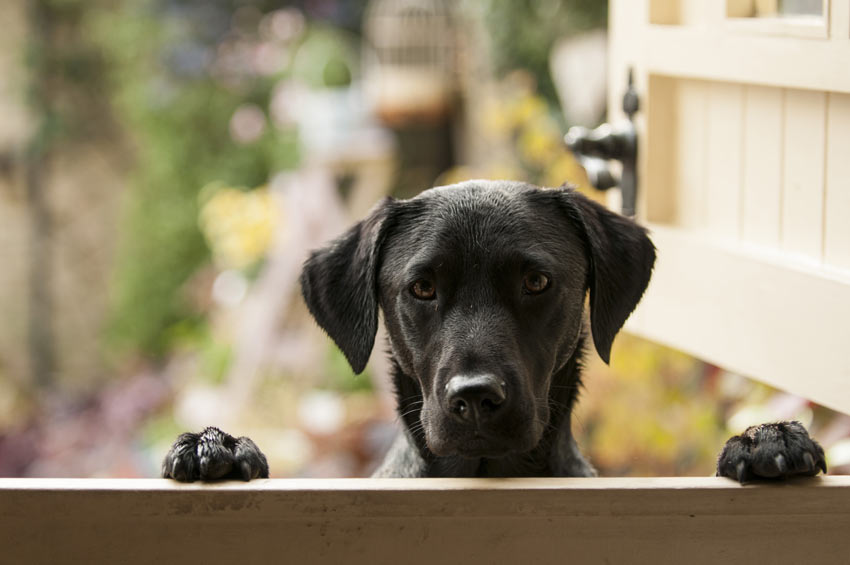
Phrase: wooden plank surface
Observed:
(689, 151)
(762, 185)
(724, 159)
(837, 203)
(778, 319)
(804, 158)
(661, 120)
(618, 520)
(711, 54)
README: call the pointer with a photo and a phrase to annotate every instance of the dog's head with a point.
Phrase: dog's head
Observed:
(483, 287)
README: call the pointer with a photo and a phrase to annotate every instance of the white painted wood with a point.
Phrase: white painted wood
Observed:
(762, 161)
(690, 140)
(839, 19)
(837, 203)
(757, 284)
(710, 54)
(806, 27)
(662, 116)
(410, 521)
(767, 316)
(627, 24)
(724, 158)
(804, 155)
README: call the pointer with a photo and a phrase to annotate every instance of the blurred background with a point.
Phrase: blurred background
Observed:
(165, 165)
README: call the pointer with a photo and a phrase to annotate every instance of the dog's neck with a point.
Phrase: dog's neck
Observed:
(555, 455)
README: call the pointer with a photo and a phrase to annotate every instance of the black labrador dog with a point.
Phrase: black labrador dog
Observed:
(483, 288)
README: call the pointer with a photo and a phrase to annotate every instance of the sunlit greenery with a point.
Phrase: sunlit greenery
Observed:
(177, 115)
(524, 31)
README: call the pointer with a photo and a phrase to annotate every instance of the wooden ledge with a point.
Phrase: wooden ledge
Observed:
(661, 520)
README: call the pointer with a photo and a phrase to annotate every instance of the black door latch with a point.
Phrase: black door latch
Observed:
(595, 148)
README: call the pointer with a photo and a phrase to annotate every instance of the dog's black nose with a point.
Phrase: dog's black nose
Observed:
(475, 398)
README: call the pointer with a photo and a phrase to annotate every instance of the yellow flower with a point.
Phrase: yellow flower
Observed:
(497, 118)
(539, 143)
(565, 168)
(528, 108)
(238, 225)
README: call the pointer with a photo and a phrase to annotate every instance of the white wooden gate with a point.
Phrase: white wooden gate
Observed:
(744, 154)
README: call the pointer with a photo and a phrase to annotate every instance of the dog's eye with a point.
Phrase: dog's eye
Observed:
(423, 290)
(535, 283)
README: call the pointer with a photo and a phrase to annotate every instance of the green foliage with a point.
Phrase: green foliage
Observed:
(524, 31)
(178, 120)
(326, 58)
(340, 377)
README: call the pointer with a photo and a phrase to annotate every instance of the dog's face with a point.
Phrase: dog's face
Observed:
(483, 287)
(482, 292)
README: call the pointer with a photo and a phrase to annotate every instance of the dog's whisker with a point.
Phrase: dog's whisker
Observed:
(417, 397)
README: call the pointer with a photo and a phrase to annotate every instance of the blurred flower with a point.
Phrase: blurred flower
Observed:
(270, 58)
(233, 65)
(288, 450)
(229, 288)
(539, 143)
(528, 108)
(247, 124)
(321, 412)
(496, 118)
(285, 25)
(238, 225)
(515, 117)
(565, 168)
(838, 455)
(285, 99)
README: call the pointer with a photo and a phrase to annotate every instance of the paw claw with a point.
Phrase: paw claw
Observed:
(246, 472)
(781, 465)
(741, 471)
(810, 461)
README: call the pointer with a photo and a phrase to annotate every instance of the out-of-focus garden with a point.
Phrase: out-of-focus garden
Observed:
(165, 165)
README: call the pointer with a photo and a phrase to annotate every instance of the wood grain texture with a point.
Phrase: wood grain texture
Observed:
(724, 159)
(762, 183)
(690, 138)
(837, 203)
(711, 53)
(657, 520)
(662, 118)
(804, 159)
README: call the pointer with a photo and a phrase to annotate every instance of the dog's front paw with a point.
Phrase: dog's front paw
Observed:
(771, 451)
(213, 454)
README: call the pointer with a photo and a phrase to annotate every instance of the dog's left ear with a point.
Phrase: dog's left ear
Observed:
(339, 285)
(621, 257)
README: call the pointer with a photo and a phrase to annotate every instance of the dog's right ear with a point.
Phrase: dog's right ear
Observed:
(339, 284)
(621, 259)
